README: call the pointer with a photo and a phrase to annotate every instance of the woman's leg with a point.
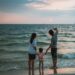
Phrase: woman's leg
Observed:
(54, 59)
(54, 56)
(54, 62)
(32, 67)
(29, 63)
(55, 66)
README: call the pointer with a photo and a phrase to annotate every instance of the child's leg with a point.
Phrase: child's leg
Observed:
(42, 68)
(39, 67)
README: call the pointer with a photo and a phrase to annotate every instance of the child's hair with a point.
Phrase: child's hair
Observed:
(51, 32)
(40, 50)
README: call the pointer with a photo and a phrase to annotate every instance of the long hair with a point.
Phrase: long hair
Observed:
(33, 36)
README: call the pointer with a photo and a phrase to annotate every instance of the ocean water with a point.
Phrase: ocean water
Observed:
(14, 41)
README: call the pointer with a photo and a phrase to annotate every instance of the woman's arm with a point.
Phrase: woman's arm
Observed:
(47, 49)
(34, 47)
(34, 44)
(56, 30)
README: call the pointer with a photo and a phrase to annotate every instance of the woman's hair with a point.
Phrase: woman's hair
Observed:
(33, 36)
(40, 50)
(51, 32)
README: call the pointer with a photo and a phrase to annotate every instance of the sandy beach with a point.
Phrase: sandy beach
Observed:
(61, 71)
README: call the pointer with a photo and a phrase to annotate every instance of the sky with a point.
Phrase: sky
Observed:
(37, 11)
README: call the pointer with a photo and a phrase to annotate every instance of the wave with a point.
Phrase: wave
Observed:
(21, 62)
(6, 66)
(13, 51)
(43, 43)
(67, 56)
(14, 44)
(6, 38)
(66, 41)
(42, 35)
(61, 56)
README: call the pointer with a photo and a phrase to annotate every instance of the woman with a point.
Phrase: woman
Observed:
(53, 47)
(32, 53)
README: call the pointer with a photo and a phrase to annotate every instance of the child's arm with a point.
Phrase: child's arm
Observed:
(37, 54)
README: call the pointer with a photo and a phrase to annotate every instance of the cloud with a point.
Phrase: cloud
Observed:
(52, 5)
(37, 11)
(10, 18)
(12, 5)
(64, 20)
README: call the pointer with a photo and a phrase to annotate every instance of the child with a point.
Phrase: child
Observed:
(41, 59)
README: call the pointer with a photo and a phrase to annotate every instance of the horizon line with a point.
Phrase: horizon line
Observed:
(35, 23)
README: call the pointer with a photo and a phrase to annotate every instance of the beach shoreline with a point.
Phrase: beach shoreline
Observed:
(61, 71)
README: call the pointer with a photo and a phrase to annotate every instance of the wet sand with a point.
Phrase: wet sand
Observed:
(61, 71)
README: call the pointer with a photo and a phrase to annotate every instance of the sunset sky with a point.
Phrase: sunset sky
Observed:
(37, 11)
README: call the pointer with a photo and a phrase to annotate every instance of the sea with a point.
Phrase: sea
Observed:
(14, 44)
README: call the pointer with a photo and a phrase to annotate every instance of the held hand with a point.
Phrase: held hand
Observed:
(47, 49)
(45, 53)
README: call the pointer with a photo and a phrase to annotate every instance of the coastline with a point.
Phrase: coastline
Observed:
(61, 71)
